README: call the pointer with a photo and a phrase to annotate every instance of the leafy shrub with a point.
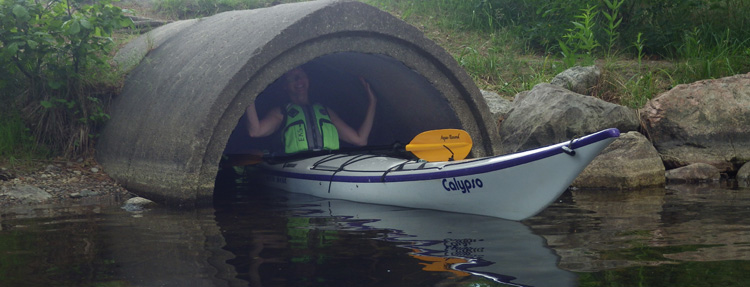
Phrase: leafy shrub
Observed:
(54, 57)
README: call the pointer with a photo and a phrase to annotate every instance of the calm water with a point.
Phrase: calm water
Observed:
(680, 236)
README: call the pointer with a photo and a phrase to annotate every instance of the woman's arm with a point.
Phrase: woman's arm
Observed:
(360, 136)
(266, 126)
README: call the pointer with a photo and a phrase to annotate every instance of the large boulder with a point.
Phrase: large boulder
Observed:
(696, 172)
(578, 79)
(629, 162)
(550, 114)
(703, 122)
(25, 193)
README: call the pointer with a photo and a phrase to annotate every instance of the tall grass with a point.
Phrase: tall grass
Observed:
(579, 43)
(16, 142)
(719, 57)
(549, 35)
(444, 14)
(186, 9)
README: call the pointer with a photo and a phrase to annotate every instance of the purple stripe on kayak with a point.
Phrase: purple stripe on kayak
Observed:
(393, 176)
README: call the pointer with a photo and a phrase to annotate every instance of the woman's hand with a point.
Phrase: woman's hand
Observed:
(370, 94)
(262, 127)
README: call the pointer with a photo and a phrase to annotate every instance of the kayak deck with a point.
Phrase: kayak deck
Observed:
(513, 186)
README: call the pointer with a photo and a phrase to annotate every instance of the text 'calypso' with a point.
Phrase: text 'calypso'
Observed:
(464, 185)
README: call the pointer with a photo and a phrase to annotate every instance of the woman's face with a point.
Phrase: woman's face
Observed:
(296, 86)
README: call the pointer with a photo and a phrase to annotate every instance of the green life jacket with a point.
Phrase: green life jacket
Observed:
(309, 128)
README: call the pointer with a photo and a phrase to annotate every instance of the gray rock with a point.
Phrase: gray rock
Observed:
(697, 172)
(86, 193)
(137, 204)
(630, 162)
(550, 114)
(743, 175)
(52, 168)
(706, 121)
(520, 96)
(744, 172)
(26, 193)
(497, 104)
(578, 79)
(5, 174)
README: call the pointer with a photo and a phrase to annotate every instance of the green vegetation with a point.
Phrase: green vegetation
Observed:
(187, 9)
(54, 72)
(16, 144)
(644, 46)
(54, 62)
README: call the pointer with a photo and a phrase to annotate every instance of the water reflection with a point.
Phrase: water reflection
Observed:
(99, 244)
(504, 251)
(655, 237)
(164, 247)
(269, 239)
(685, 235)
(308, 241)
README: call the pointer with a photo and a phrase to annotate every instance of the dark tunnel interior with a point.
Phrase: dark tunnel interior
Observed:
(407, 103)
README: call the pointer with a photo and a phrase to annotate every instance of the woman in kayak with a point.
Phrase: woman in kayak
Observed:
(307, 125)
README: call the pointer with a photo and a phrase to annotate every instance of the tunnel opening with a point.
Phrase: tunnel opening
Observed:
(407, 104)
(192, 80)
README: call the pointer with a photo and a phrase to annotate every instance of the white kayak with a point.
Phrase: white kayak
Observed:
(514, 186)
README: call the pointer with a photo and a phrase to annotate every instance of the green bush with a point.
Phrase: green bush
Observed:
(54, 58)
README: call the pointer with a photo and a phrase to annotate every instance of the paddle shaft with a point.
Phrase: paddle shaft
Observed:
(432, 145)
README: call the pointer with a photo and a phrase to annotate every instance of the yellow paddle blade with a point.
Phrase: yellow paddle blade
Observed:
(441, 145)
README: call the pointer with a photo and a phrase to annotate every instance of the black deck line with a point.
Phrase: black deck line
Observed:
(534, 155)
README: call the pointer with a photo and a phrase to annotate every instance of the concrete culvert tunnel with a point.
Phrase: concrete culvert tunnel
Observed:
(182, 106)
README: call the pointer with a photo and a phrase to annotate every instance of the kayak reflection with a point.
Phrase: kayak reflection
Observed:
(457, 245)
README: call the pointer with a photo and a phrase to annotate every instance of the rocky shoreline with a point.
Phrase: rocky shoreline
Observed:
(58, 183)
(692, 133)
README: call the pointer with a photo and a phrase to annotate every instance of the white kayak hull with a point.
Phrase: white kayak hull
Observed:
(514, 186)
